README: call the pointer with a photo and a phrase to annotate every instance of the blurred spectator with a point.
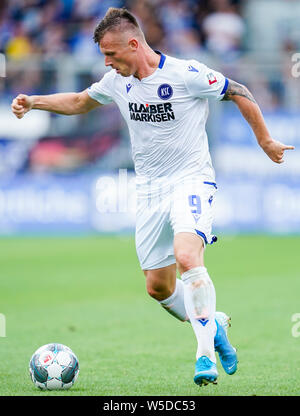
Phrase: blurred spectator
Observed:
(180, 25)
(82, 44)
(86, 9)
(224, 30)
(19, 46)
(54, 154)
(36, 34)
(176, 26)
(150, 23)
(54, 41)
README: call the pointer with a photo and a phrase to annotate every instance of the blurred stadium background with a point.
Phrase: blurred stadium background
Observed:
(61, 174)
(62, 177)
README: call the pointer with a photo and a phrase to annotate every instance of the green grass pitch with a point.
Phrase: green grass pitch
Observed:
(89, 293)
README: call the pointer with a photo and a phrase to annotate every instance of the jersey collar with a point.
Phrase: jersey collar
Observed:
(162, 59)
(160, 65)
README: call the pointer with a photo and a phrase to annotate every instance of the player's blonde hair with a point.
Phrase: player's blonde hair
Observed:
(117, 19)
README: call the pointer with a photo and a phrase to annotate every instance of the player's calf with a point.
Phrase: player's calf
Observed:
(163, 286)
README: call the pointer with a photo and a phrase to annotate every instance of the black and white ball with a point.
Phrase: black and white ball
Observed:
(54, 367)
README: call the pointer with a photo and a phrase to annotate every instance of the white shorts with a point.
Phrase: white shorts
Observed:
(165, 208)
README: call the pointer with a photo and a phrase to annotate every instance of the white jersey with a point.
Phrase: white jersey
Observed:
(166, 114)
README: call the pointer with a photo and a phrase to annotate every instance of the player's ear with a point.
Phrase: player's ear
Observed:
(133, 44)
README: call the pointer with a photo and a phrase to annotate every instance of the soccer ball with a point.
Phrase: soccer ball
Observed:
(54, 367)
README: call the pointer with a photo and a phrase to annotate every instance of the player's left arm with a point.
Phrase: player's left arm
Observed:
(247, 105)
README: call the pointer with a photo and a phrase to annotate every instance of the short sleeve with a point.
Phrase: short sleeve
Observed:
(102, 90)
(204, 82)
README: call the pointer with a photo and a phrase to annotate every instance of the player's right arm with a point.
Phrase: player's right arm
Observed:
(62, 103)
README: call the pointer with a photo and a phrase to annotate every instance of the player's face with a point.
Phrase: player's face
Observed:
(119, 52)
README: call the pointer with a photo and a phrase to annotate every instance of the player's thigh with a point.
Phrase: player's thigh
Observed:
(154, 236)
(160, 283)
(192, 215)
(188, 250)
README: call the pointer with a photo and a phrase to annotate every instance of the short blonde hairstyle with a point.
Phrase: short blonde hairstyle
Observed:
(117, 19)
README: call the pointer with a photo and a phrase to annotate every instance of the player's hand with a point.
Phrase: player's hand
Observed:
(21, 105)
(275, 150)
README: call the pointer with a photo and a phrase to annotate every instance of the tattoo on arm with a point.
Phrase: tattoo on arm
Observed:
(234, 88)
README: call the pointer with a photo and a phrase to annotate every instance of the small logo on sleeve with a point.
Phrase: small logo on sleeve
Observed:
(165, 91)
(211, 78)
(192, 69)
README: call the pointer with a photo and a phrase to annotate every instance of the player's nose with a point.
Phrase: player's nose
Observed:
(107, 61)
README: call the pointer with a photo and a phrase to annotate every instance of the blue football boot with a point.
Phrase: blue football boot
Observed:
(205, 371)
(227, 353)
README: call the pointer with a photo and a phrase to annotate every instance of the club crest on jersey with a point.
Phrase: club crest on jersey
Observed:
(211, 78)
(165, 91)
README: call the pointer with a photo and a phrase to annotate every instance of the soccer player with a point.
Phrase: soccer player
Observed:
(164, 101)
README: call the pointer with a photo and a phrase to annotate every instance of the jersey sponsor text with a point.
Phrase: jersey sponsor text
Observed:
(151, 113)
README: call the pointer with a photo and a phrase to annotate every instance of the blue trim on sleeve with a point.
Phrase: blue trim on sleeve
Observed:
(225, 86)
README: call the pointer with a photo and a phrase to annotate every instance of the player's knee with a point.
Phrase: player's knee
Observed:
(158, 292)
(186, 260)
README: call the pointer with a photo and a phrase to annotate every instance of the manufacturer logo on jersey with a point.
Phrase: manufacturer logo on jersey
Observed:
(165, 91)
(192, 69)
(128, 87)
(211, 78)
(151, 112)
(196, 217)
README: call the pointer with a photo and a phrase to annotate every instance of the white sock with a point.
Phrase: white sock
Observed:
(200, 305)
(175, 303)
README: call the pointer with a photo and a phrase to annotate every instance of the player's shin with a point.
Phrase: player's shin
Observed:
(175, 303)
(200, 305)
